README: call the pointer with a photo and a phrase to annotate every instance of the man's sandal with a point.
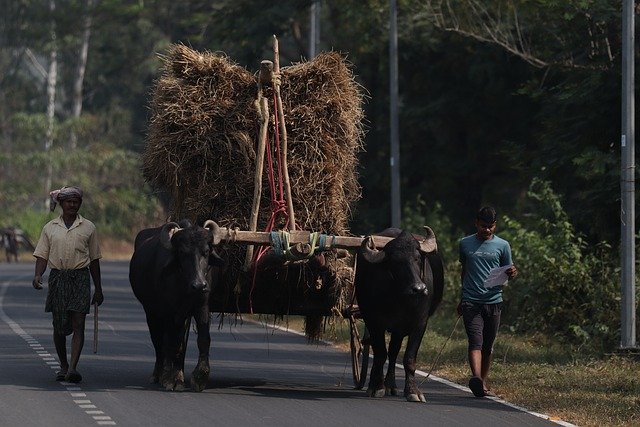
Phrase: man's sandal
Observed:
(73, 377)
(489, 393)
(476, 386)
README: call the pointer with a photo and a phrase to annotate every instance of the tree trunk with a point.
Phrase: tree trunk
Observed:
(76, 109)
(52, 77)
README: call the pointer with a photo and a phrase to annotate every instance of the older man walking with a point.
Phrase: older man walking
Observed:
(69, 246)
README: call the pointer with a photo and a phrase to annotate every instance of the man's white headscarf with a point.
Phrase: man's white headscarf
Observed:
(57, 196)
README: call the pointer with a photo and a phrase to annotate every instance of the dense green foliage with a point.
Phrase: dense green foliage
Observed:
(493, 94)
(567, 286)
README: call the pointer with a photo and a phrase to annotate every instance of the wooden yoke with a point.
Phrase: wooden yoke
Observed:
(297, 238)
(300, 239)
(283, 132)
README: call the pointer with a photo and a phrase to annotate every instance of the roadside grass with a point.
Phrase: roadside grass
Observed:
(532, 371)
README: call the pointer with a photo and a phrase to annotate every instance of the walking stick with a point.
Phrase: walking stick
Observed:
(95, 328)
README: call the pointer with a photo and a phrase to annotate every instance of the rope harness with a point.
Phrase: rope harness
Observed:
(278, 202)
(280, 240)
(281, 246)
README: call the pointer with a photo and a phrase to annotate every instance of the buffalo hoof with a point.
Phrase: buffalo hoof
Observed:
(173, 382)
(200, 378)
(168, 384)
(416, 397)
(376, 393)
(391, 391)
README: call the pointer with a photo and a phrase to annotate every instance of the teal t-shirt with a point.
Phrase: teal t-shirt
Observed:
(478, 257)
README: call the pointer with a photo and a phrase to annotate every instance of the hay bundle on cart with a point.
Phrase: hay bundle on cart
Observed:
(201, 150)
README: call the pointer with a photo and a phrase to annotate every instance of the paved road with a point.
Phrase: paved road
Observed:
(260, 376)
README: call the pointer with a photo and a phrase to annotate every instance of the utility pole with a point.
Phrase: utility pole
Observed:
(627, 182)
(314, 29)
(393, 111)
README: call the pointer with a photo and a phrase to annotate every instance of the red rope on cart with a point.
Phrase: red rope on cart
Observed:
(278, 202)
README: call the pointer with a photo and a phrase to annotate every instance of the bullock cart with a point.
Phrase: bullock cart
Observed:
(299, 246)
(296, 246)
(275, 150)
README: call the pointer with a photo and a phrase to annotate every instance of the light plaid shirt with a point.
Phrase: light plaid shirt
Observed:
(68, 248)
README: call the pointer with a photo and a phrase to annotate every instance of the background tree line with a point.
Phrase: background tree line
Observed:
(503, 102)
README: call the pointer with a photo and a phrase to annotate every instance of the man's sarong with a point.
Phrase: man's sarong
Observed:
(69, 290)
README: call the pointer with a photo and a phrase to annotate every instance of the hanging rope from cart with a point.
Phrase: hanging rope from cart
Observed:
(281, 202)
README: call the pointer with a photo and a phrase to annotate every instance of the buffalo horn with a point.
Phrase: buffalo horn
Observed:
(373, 256)
(212, 226)
(429, 243)
(167, 232)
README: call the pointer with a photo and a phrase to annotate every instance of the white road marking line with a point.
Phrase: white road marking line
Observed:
(52, 363)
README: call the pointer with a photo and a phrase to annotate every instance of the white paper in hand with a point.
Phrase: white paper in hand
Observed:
(497, 277)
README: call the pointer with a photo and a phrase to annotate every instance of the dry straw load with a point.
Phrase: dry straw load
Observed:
(201, 150)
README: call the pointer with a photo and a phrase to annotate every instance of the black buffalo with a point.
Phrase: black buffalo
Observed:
(169, 273)
(397, 289)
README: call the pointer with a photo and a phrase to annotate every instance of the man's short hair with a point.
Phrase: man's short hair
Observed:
(487, 214)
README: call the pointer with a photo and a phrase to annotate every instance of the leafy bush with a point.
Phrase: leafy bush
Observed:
(566, 287)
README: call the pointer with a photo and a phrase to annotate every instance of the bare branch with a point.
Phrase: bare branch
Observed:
(500, 23)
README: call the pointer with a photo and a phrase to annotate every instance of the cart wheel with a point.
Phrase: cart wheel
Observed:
(359, 354)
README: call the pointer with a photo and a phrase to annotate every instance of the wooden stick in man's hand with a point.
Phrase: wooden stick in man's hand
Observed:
(95, 328)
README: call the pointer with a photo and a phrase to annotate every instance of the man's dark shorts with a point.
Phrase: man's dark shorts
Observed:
(481, 322)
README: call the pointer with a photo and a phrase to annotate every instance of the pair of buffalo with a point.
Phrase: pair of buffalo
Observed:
(397, 289)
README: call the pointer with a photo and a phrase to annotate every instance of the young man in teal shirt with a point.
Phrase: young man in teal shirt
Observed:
(481, 305)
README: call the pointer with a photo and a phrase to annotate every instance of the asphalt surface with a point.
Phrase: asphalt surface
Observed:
(260, 375)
